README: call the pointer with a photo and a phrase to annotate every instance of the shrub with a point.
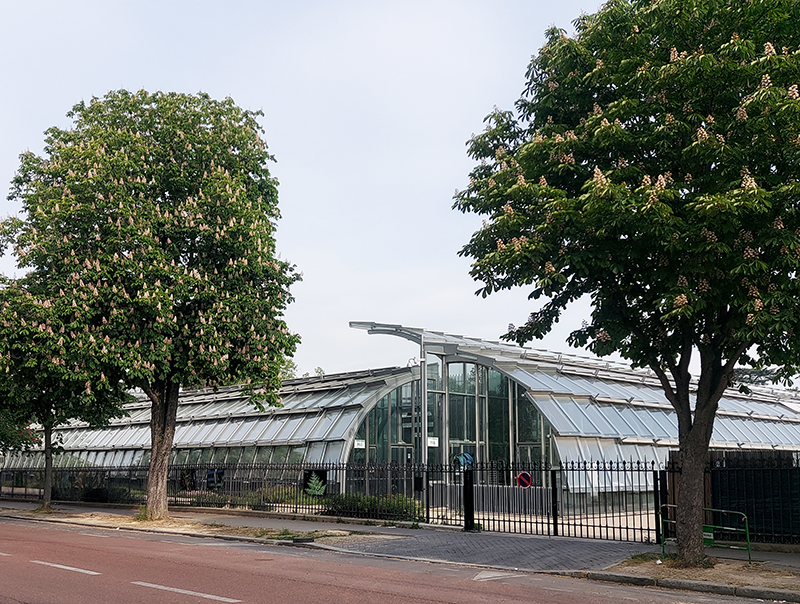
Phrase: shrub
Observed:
(357, 505)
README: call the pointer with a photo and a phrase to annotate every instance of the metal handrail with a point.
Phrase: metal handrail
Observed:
(746, 530)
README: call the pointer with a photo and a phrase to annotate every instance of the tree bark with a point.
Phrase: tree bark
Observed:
(48, 466)
(690, 514)
(164, 411)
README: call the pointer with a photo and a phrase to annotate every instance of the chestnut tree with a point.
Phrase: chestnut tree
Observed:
(652, 164)
(152, 216)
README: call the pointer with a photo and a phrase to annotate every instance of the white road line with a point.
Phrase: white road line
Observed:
(94, 535)
(62, 567)
(184, 591)
(488, 575)
(2, 554)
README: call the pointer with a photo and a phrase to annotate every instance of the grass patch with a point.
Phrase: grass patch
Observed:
(141, 514)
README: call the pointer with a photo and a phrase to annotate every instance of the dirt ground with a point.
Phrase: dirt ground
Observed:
(730, 572)
(179, 526)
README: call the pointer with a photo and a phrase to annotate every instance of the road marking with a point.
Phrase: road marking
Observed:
(2, 554)
(94, 535)
(488, 575)
(62, 567)
(184, 591)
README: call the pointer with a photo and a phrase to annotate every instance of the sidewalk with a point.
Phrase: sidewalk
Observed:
(560, 555)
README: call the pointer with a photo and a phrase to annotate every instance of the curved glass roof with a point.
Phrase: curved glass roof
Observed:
(321, 412)
(597, 409)
(587, 399)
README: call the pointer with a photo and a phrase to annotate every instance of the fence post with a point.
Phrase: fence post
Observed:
(469, 501)
(657, 506)
(554, 500)
(427, 474)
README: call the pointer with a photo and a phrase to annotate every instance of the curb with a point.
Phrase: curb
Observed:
(722, 589)
(618, 578)
(766, 593)
(156, 531)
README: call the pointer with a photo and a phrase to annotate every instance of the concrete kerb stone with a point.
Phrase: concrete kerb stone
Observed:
(620, 578)
(766, 593)
(745, 591)
(721, 589)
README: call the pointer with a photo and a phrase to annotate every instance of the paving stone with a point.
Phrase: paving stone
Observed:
(506, 551)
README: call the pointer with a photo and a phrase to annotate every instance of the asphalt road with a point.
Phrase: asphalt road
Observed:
(46, 564)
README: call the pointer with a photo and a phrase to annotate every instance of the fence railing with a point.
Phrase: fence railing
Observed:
(599, 500)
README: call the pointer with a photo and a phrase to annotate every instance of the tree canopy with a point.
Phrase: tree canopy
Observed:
(48, 373)
(15, 434)
(153, 218)
(652, 163)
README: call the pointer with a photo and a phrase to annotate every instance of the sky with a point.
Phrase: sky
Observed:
(367, 110)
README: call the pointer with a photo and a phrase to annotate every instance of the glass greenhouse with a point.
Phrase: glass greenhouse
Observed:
(495, 401)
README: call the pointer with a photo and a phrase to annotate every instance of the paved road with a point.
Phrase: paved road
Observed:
(46, 564)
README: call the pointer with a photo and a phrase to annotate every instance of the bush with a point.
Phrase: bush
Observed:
(391, 507)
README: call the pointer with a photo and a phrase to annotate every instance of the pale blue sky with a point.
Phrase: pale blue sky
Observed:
(368, 106)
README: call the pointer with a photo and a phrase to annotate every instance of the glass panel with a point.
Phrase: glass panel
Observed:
(379, 439)
(394, 418)
(234, 454)
(274, 427)
(181, 457)
(315, 452)
(297, 454)
(457, 377)
(137, 457)
(333, 452)
(556, 414)
(456, 421)
(310, 422)
(632, 418)
(529, 429)
(230, 427)
(206, 455)
(214, 432)
(406, 411)
(344, 423)
(127, 458)
(600, 417)
(244, 428)
(248, 454)
(324, 425)
(263, 454)
(280, 454)
(292, 423)
(434, 370)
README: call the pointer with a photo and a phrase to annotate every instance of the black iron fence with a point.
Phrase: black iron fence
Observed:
(600, 500)
(596, 500)
(766, 488)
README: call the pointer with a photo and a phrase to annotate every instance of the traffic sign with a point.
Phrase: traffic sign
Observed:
(524, 479)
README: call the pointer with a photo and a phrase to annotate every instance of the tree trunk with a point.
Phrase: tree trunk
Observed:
(48, 466)
(690, 516)
(164, 411)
